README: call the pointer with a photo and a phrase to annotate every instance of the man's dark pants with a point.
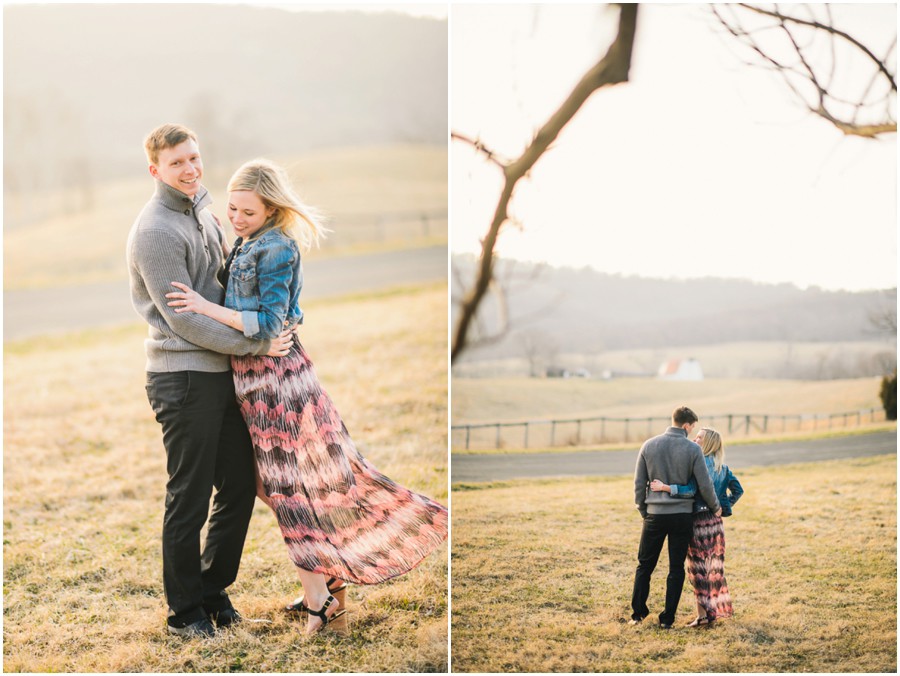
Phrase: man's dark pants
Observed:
(207, 445)
(678, 528)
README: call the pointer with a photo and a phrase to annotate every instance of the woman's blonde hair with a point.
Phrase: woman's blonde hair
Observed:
(273, 186)
(712, 445)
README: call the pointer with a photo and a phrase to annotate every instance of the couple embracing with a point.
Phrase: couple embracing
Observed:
(682, 489)
(242, 411)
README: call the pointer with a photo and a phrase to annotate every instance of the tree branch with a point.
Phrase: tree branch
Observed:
(479, 146)
(611, 69)
(829, 29)
(826, 100)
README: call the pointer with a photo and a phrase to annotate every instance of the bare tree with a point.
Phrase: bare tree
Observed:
(884, 318)
(803, 45)
(493, 322)
(611, 69)
(540, 349)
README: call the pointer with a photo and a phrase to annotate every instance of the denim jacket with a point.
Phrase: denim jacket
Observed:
(724, 481)
(264, 281)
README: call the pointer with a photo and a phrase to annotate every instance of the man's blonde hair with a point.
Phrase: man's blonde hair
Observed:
(166, 136)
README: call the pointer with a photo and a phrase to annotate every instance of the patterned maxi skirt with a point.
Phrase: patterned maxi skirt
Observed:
(338, 515)
(706, 565)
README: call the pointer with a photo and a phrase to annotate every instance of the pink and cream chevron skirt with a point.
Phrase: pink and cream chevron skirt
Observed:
(706, 566)
(338, 515)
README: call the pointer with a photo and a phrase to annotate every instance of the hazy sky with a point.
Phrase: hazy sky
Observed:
(699, 166)
(434, 10)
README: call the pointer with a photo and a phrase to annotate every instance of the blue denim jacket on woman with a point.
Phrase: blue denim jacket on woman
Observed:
(728, 488)
(264, 281)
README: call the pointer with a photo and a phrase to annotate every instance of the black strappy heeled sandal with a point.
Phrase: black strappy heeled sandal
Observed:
(704, 621)
(322, 615)
(337, 588)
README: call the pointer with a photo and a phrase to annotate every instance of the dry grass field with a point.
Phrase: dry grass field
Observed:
(542, 576)
(351, 186)
(512, 399)
(756, 359)
(84, 478)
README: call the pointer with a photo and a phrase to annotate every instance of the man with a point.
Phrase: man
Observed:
(672, 458)
(189, 384)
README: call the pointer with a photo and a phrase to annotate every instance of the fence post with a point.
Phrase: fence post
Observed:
(498, 436)
(526, 435)
(578, 434)
(425, 224)
(747, 431)
(468, 430)
(730, 419)
(765, 428)
(553, 433)
(602, 430)
(626, 429)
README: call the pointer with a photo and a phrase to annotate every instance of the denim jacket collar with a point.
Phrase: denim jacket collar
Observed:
(177, 201)
(243, 246)
(268, 226)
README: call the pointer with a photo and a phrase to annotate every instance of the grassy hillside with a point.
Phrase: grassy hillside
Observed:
(84, 483)
(551, 313)
(374, 197)
(543, 571)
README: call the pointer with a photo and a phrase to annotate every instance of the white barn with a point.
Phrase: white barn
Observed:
(680, 369)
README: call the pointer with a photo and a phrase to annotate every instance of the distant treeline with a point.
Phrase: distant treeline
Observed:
(585, 311)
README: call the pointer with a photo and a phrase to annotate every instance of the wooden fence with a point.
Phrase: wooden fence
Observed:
(384, 226)
(602, 430)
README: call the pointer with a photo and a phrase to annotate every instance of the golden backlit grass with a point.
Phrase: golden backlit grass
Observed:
(350, 185)
(84, 480)
(543, 572)
(507, 399)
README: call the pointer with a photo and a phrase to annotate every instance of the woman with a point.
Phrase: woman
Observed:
(706, 552)
(339, 516)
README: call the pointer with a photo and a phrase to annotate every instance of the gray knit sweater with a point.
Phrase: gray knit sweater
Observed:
(672, 458)
(176, 239)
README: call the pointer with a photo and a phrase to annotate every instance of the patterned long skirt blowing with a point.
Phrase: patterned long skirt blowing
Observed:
(339, 516)
(706, 566)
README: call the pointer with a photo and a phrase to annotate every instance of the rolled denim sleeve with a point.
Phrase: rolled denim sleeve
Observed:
(250, 318)
(688, 490)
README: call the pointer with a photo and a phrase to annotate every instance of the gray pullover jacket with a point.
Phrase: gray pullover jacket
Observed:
(175, 239)
(672, 458)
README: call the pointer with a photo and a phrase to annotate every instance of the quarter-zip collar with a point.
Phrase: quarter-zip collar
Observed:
(177, 201)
